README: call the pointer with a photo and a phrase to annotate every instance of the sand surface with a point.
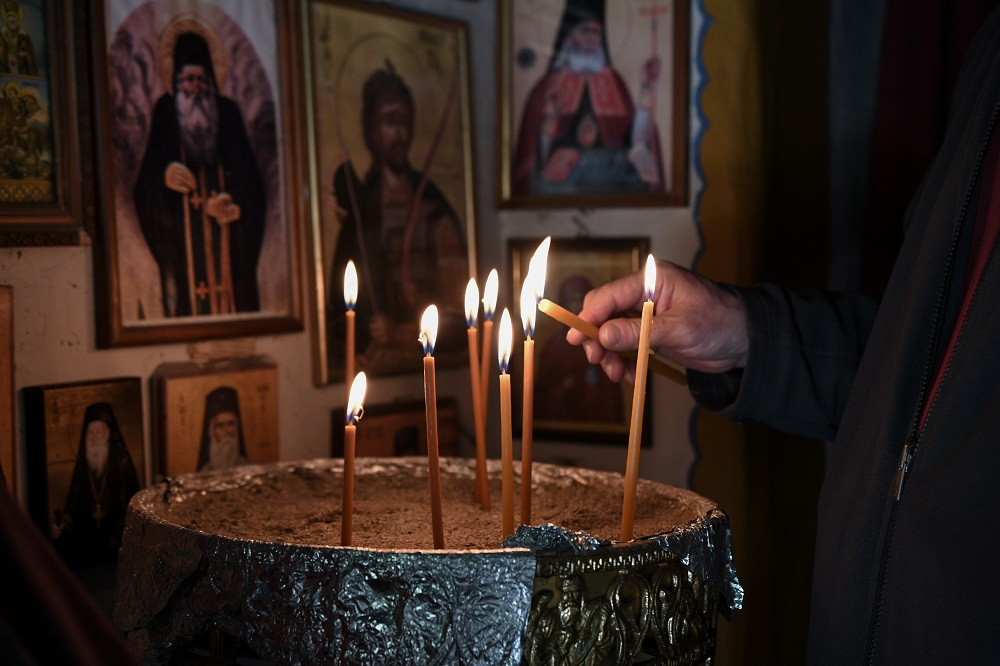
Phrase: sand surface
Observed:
(300, 503)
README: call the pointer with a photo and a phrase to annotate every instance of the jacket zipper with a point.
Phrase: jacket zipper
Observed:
(917, 428)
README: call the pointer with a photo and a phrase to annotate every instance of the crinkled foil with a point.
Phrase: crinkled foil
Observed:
(552, 538)
(705, 547)
(309, 605)
(313, 605)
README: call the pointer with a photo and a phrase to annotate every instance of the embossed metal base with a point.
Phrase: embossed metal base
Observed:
(548, 596)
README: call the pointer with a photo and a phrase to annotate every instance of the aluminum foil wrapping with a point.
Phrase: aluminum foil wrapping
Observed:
(314, 605)
(296, 604)
(705, 547)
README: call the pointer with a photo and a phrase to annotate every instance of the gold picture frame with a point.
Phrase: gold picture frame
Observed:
(603, 124)
(398, 429)
(45, 159)
(408, 250)
(573, 399)
(174, 201)
(8, 442)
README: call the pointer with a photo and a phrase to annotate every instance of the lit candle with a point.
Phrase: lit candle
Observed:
(489, 307)
(505, 342)
(350, 300)
(638, 403)
(428, 336)
(531, 292)
(482, 493)
(528, 395)
(661, 365)
(354, 413)
(562, 315)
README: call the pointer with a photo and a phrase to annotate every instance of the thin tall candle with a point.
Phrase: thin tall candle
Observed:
(658, 363)
(350, 301)
(528, 395)
(354, 413)
(531, 292)
(638, 403)
(428, 336)
(482, 493)
(490, 292)
(505, 342)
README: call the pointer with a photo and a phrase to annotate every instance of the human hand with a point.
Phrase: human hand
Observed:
(179, 178)
(697, 322)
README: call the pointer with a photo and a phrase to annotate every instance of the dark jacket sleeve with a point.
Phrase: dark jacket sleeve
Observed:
(804, 351)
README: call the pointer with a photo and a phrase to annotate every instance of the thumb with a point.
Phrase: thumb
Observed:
(620, 334)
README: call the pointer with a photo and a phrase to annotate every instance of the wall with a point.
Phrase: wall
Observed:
(54, 299)
(55, 324)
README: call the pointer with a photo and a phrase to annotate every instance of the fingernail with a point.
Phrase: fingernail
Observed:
(612, 335)
(590, 353)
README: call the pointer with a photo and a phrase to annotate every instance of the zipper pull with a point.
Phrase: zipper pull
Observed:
(904, 466)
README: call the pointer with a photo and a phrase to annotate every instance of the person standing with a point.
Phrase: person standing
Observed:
(905, 388)
(199, 194)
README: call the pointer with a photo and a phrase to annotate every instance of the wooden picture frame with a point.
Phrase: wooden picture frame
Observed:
(8, 441)
(83, 511)
(397, 429)
(406, 256)
(45, 171)
(163, 271)
(604, 125)
(191, 405)
(575, 400)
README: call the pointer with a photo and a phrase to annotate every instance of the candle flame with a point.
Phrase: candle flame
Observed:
(650, 277)
(528, 306)
(471, 303)
(537, 268)
(490, 294)
(350, 285)
(355, 408)
(429, 329)
(505, 341)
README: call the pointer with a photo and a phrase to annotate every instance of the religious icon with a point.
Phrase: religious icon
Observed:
(26, 153)
(214, 416)
(595, 96)
(85, 457)
(392, 135)
(202, 228)
(573, 399)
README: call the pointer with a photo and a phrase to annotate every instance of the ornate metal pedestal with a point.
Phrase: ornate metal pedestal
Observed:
(548, 596)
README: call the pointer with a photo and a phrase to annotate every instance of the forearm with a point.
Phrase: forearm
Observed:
(803, 353)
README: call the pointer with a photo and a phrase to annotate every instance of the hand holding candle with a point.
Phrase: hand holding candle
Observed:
(482, 493)
(428, 336)
(660, 364)
(355, 410)
(505, 342)
(350, 301)
(638, 404)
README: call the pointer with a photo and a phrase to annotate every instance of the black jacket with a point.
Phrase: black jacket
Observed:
(908, 580)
